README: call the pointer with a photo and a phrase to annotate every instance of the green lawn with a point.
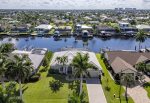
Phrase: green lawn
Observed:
(40, 92)
(147, 88)
(114, 88)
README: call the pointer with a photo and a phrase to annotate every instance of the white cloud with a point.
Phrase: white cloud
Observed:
(73, 4)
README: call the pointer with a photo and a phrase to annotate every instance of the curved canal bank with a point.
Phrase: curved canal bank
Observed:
(94, 44)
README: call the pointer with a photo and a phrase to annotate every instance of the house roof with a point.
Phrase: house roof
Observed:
(119, 65)
(86, 27)
(143, 26)
(71, 54)
(44, 26)
(100, 27)
(141, 59)
(123, 23)
(130, 57)
(35, 56)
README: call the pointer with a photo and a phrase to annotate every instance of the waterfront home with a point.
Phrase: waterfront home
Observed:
(79, 28)
(43, 28)
(103, 30)
(64, 30)
(70, 54)
(127, 29)
(143, 27)
(19, 29)
(35, 55)
(124, 62)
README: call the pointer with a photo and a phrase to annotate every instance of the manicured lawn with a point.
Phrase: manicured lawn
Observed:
(40, 92)
(147, 88)
(114, 88)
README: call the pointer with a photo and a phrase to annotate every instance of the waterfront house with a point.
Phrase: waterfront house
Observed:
(71, 53)
(104, 29)
(20, 28)
(80, 28)
(35, 55)
(64, 30)
(43, 28)
(127, 29)
(143, 27)
(123, 62)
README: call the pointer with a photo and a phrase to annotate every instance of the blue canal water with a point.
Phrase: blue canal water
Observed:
(94, 44)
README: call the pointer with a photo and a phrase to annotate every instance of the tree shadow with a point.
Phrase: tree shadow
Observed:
(55, 85)
(60, 77)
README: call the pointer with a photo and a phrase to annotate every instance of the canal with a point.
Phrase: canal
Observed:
(94, 44)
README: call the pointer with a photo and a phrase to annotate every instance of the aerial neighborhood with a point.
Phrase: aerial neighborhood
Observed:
(75, 56)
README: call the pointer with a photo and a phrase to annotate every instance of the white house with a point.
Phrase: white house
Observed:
(146, 28)
(43, 28)
(83, 27)
(35, 55)
(68, 69)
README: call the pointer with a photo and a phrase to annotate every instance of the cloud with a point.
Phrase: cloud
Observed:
(73, 4)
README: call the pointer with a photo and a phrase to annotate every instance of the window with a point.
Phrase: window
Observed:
(61, 69)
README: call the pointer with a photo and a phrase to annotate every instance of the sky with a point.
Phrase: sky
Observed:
(74, 4)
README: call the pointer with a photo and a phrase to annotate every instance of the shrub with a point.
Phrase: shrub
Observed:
(45, 62)
(43, 69)
(53, 71)
(35, 77)
(49, 55)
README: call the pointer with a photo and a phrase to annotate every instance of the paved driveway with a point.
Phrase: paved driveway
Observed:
(95, 91)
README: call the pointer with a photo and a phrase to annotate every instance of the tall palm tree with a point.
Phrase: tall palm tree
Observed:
(62, 60)
(9, 94)
(20, 68)
(141, 37)
(81, 64)
(3, 68)
(4, 49)
(127, 79)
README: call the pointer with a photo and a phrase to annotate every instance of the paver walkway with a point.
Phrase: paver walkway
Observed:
(138, 94)
(95, 91)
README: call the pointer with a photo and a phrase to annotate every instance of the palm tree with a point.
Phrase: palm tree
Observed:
(4, 49)
(9, 94)
(20, 68)
(62, 60)
(3, 68)
(127, 79)
(140, 37)
(81, 64)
